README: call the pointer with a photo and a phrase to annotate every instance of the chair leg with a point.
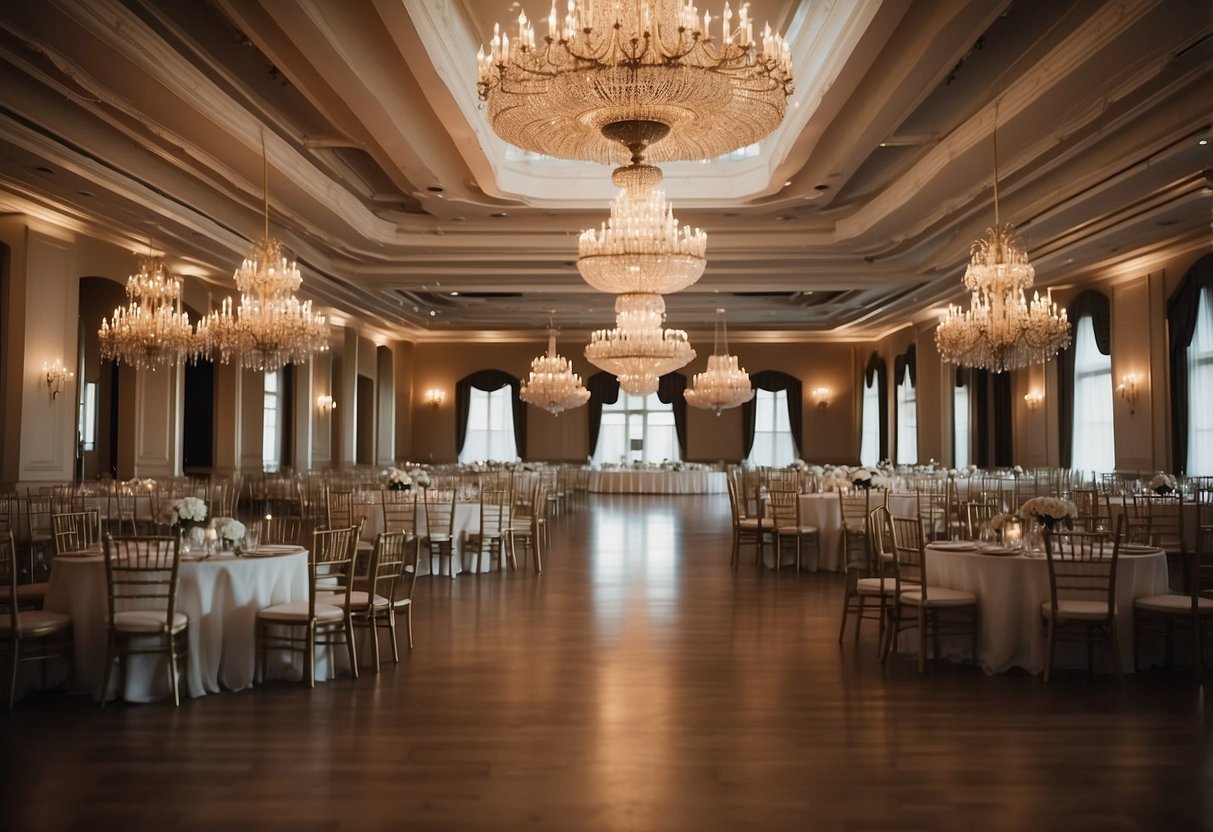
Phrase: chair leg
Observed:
(859, 609)
(350, 647)
(374, 628)
(15, 662)
(922, 638)
(109, 666)
(1049, 644)
(846, 607)
(172, 670)
(408, 618)
(309, 659)
(391, 628)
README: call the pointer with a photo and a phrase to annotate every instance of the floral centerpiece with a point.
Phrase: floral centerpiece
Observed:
(183, 513)
(1163, 484)
(1000, 521)
(421, 478)
(230, 532)
(1017, 470)
(799, 465)
(1049, 511)
(673, 465)
(399, 480)
(861, 478)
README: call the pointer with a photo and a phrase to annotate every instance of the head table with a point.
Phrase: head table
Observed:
(1010, 590)
(221, 596)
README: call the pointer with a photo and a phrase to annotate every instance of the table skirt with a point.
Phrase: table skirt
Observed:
(657, 482)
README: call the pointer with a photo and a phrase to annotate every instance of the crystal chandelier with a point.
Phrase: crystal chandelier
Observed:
(608, 63)
(1001, 330)
(553, 385)
(151, 330)
(641, 249)
(638, 351)
(271, 327)
(724, 384)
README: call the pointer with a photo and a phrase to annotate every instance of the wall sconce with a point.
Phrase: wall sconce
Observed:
(325, 403)
(1034, 399)
(56, 377)
(821, 396)
(434, 397)
(1128, 390)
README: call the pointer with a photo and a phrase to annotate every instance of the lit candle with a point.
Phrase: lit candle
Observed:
(1011, 534)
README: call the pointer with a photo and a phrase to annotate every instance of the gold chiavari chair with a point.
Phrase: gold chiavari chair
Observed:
(528, 526)
(1158, 521)
(36, 636)
(325, 618)
(781, 479)
(976, 515)
(279, 530)
(77, 531)
(339, 509)
(929, 608)
(439, 538)
(141, 579)
(866, 578)
(1190, 612)
(747, 531)
(1094, 511)
(933, 507)
(787, 523)
(1082, 591)
(493, 537)
(38, 511)
(400, 512)
(375, 607)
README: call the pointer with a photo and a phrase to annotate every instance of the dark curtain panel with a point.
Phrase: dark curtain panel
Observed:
(604, 389)
(980, 392)
(1182, 307)
(773, 381)
(878, 371)
(488, 380)
(669, 390)
(1095, 305)
(1000, 395)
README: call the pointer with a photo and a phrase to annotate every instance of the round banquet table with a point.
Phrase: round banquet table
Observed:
(221, 596)
(1010, 590)
(823, 510)
(657, 482)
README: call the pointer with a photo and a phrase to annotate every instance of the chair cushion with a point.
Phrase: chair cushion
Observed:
(1173, 604)
(876, 586)
(296, 611)
(37, 623)
(800, 530)
(938, 596)
(357, 599)
(1076, 609)
(754, 523)
(147, 621)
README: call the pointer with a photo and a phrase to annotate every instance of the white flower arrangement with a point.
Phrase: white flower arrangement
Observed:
(1049, 511)
(673, 465)
(816, 470)
(421, 478)
(1163, 484)
(799, 465)
(398, 480)
(229, 529)
(861, 477)
(999, 520)
(1017, 470)
(183, 512)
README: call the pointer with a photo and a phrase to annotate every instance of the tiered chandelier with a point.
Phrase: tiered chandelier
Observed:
(270, 327)
(724, 384)
(151, 330)
(1001, 330)
(638, 350)
(612, 61)
(553, 385)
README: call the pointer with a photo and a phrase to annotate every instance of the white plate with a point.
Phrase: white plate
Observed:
(955, 545)
(271, 549)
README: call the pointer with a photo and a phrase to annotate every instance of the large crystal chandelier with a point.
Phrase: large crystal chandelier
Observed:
(1001, 330)
(641, 249)
(271, 327)
(553, 385)
(724, 384)
(610, 62)
(151, 330)
(638, 351)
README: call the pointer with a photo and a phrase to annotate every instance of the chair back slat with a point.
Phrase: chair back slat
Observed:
(141, 573)
(909, 549)
(400, 511)
(439, 512)
(1082, 565)
(77, 531)
(331, 564)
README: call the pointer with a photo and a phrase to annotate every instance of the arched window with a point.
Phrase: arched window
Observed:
(271, 423)
(869, 442)
(490, 419)
(1092, 439)
(1188, 323)
(637, 429)
(773, 444)
(962, 419)
(905, 375)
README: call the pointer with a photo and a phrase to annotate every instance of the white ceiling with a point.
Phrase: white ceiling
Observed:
(128, 117)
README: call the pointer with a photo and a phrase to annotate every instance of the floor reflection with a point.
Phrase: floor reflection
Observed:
(635, 565)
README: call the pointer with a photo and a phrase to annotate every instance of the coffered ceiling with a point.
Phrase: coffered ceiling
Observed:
(130, 118)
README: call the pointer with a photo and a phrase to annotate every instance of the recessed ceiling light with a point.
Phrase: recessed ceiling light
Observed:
(433, 313)
(1203, 141)
(454, 294)
(787, 184)
(499, 214)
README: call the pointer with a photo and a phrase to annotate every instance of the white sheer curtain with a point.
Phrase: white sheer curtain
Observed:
(636, 429)
(490, 431)
(773, 445)
(869, 441)
(907, 422)
(1200, 390)
(960, 425)
(1093, 440)
(271, 434)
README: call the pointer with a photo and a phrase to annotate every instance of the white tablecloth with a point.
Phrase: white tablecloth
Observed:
(657, 482)
(467, 521)
(1010, 590)
(221, 597)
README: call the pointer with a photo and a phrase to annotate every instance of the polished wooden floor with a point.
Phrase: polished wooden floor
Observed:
(638, 684)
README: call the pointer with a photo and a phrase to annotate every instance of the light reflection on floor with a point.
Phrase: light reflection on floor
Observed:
(635, 567)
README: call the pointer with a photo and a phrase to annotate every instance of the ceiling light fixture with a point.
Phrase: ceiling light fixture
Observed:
(638, 351)
(1001, 330)
(724, 384)
(151, 330)
(553, 385)
(606, 64)
(270, 327)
